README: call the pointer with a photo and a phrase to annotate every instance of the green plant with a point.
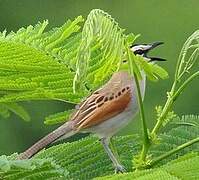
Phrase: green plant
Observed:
(184, 66)
(67, 63)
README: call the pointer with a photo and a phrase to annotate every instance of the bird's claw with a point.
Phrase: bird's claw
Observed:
(120, 169)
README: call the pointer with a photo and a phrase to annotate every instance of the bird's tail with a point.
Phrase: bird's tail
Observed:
(64, 130)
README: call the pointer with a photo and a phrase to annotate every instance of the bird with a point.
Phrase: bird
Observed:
(105, 111)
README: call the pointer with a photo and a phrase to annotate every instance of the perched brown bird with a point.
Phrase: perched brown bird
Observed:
(104, 112)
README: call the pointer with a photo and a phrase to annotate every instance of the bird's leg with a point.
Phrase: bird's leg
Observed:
(117, 165)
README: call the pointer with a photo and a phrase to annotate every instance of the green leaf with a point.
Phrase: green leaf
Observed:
(30, 169)
(4, 112)
(169, 117)
(86, 159)
(190, 120)
(103, 35)
(188, 56)
(36, 64)
(138, 63)
(4, 164)
(63, 33)
(186, 120)
(152, 71)
(186, 167)
(30, 67)
(18, 110)
(130, 38)
(58, 117)
(146, 67)
(133, 67)
(159, 71)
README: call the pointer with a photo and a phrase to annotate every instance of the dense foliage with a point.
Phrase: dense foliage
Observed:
(68, 62)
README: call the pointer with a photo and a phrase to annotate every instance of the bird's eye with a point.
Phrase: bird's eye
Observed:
(139, 51)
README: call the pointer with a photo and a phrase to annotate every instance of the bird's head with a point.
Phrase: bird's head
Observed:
(143, 50)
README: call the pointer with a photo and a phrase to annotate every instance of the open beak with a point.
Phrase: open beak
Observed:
(150, 47)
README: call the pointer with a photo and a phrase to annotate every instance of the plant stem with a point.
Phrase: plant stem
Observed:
(169, 153)
(181, 88)
(172, 97)
(165, 110)
(146, 141)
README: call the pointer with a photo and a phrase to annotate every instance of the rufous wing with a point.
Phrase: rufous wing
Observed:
(100, 107)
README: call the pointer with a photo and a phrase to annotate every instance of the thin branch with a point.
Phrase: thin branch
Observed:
(146, 141)
(182, 87)
(171, 99)
(144, 125)
(165, 110)
(173, 151)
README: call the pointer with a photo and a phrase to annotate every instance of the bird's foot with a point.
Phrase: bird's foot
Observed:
(120, 169)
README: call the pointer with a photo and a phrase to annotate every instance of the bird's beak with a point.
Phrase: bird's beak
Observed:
(155, 44)
(150, 47)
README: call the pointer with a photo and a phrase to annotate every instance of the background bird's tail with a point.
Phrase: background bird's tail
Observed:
(64, 130)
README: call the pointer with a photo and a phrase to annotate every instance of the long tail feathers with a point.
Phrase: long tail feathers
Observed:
(64, 130)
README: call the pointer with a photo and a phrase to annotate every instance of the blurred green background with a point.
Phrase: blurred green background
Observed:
(171, 21)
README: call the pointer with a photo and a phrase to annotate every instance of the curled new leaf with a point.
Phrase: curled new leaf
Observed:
(102, 31)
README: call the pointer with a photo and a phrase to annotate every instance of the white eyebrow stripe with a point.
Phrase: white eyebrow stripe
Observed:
(142, 47)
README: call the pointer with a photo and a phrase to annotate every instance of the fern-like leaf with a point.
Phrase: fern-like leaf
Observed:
(30, 67)
(40, 65)
(186, 120)
(102, 34)
(17, 109)
(86, 159)
(4, 112)
(58, 117)
(186, 167)
(11, 169)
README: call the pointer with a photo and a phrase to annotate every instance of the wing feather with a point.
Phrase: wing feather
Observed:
(106, 106)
